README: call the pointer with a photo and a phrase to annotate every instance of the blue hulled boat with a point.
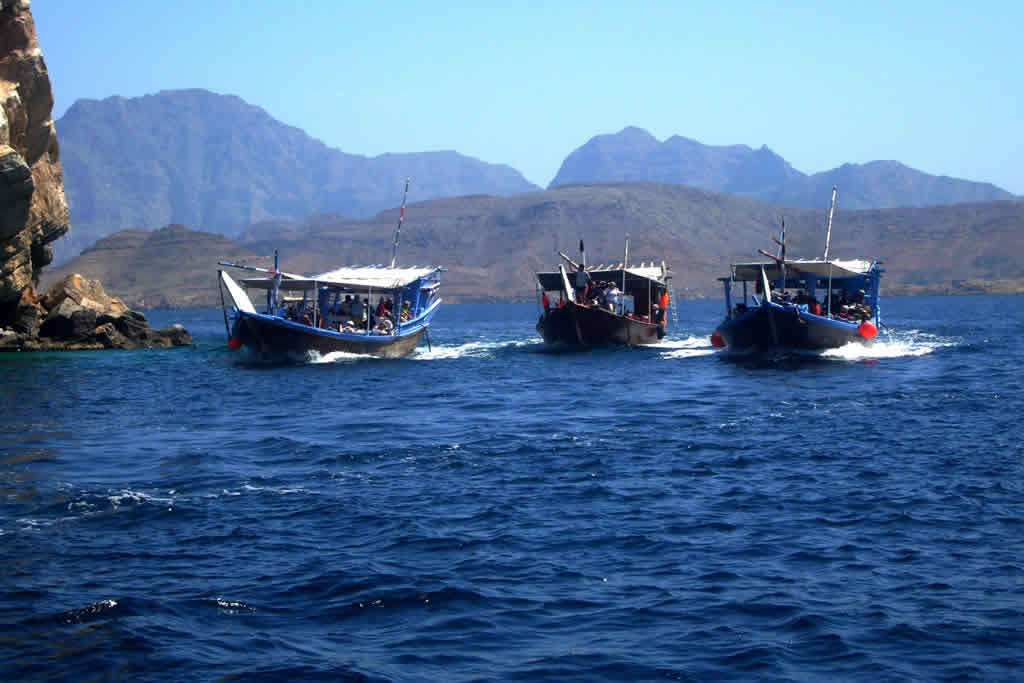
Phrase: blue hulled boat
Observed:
(372, 310)
(800, 304)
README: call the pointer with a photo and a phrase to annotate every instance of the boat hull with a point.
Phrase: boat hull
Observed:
(270, 335)
(575, 325)
(770, 327)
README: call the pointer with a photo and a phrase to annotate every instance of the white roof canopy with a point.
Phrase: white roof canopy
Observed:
(552, 281)
(352, 277)
(833, 268)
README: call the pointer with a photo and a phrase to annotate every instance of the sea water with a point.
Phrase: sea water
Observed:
(487, 510)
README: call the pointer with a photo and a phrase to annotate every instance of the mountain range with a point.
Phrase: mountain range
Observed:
(216, 163)
(492, 246)
(634, 155)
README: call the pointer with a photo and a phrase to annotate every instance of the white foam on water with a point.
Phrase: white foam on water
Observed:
(691, 347)
(232, 606)
(128, 497)
(336, 357)
(476, 349)
(907, 344)
(280, 491)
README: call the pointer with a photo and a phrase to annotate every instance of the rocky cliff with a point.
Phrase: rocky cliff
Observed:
(76, 313)
(33, 209)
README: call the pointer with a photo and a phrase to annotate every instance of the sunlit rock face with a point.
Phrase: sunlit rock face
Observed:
(33, 208)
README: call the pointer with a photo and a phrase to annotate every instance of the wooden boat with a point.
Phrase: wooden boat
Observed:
(617, 304)
(305, 314)
(810, 304)
(371, 310)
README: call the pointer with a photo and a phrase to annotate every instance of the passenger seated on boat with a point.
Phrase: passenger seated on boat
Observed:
(345, 307)
(613, 296)
(406, 311)
(384, 326)
(860, 311)
(306, 318)
(382, 308)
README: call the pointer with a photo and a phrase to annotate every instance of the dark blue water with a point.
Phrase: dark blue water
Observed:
(485, 511)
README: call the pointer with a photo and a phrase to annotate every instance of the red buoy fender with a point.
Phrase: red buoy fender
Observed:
(234, 343)
(867, 329)
(716, 340)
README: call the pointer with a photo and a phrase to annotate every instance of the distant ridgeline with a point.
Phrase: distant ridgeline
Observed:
(634, 155)
(494, 245)
(215, 162)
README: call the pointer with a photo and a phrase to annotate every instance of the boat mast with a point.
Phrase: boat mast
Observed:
(625, 264)
(828, 233)
(782, 253)
(275, 292)
(398, 230)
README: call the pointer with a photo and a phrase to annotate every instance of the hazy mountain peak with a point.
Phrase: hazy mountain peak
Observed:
(635, 134)
(218, 163)
(633, 155)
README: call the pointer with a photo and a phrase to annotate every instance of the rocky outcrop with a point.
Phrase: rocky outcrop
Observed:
(75, 315)
(33, 209)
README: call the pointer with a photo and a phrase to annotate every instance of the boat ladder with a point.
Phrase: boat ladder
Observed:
(672, 307)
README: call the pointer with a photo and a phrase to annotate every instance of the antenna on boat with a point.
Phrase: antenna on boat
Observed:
(782, 252)
(398, 230)
(583, 256)
(625, 264)
(828, 234)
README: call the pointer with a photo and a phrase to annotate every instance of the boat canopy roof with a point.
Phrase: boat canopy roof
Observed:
(751, 272)
(553, 281)
(351, 277)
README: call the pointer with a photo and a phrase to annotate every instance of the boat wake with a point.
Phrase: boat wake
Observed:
(475, 349)
(316, 358)
(904, 344)
(691, 347)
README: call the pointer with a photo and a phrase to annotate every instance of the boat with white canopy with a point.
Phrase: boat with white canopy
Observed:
(810, 304)
(374, 310)
(624, 303)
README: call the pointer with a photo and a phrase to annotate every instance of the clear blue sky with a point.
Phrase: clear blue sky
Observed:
(936, 85)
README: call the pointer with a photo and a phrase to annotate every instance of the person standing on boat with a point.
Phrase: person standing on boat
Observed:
(546, 302)
(582, 284)
(357, 309)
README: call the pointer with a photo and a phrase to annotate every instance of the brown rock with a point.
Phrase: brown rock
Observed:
(108, 336)
(29, 314)
(176, 335)
(58, 323)
(33, 208)
(85, 293)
